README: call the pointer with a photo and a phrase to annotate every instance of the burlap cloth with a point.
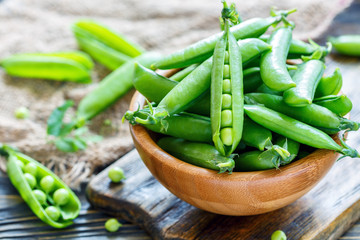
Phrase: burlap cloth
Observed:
(160, 25)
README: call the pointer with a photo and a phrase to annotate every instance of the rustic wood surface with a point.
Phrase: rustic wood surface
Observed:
(328, 210)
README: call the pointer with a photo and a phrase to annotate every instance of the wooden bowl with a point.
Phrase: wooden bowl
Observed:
(236, 194)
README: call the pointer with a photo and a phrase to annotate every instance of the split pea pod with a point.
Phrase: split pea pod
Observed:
(329, 85)
(227, 99)
(306, 77)
(48, 197)
(338, 104)
(111, 88)
(109, 37)
(273, 63)
(199, 154)
(296, 130)
(312, 114)
(346, 44)
(203, 49)
(54, 66)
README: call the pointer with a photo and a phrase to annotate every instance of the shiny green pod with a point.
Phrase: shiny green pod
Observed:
(273, 63)
(68, 210)
(329, 85)
(306, 77)
(199, 154)
(183, 73)
(339, 104)
(346, 44)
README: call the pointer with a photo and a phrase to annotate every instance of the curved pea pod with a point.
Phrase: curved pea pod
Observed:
(306, 77)
(259, 160)
(265, 89)
(111, 88)
(273, 63)
(329, 85)
(203, 49)
(296, 130)
(340, 105)
(183, 73)
(102, 53)
(187, 126)
(311, 114)
(198, 154)
(252, 79)
(46, 66)
(68, 211)
(346, 44)
(255, 135)
(109, 37)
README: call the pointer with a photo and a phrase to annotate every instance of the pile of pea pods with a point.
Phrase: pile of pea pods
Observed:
(236, 103)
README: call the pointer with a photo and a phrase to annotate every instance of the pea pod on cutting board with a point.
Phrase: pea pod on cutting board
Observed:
(69, 66)
(199, 154)
(296, 130)
(346, 44)
(312, 114)
(48, 197)
(227, 97)
(202, 50)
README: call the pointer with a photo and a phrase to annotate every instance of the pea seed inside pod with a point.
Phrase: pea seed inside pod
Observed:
(47, 183)
(226, 71)
(226, 101)
(31, 168)
(226, 61)
(61, 196)
(226, 118)
(40, 196)
(30, 180)
(227, 86)
(226, 136)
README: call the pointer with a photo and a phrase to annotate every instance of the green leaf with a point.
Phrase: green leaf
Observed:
(55, 121)
(65, 145)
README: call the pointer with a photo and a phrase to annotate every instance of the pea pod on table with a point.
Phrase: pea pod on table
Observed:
(202, 50)
(48, 197)
(346, 44)
(61, 66)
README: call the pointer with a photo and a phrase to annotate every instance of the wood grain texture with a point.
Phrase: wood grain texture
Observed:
(325, 212)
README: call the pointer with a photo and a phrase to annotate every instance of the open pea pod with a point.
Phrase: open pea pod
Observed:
(68, 210)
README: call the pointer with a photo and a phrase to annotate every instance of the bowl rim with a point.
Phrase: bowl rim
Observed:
(142, 137)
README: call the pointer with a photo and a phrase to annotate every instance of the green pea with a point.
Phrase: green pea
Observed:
(226, 61)
(226, 135)
(226, 118)
(226, 86)
(53, 213)
(61, 196)
(116, 174)
(278, 235)
(47, 183)
(31, 168)
(30, 179)
(22, 113)
(226, 71)
(112, 225)
(40, 196)
(20, 164)
(226, 101)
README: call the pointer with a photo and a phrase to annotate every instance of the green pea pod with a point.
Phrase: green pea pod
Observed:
(273, 63)
(183, 73)
(226, 112)
(346, 44)
(111, 88)
(329, 85)
(259, 160)
(340, 105)
(68, 210)
(255, 135)
(77, 56)
(109, 37)
(265, 89)
(102, 53)
(203, 49)
(306, 77)
(300, 48)
(192, 87)
(296, 130)
(252, 79)
(312, 114)
(187, 126)
(46, 67)
(198, 154)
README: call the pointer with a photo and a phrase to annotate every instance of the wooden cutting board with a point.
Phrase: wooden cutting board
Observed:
(326, 212)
